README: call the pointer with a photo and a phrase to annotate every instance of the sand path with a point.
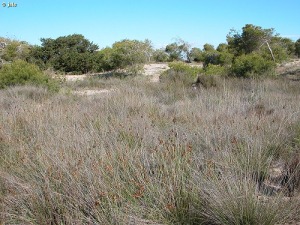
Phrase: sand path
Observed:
(153, 71)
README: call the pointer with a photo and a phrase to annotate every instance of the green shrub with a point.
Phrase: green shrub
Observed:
(160, 55)
(187, 75)
(130, 52)
(184, 67)
(225, 58)
(211, 69)
(72, 53)
(22, 73)
(252, 65)
(297, 47)
(181, 72)
(197, 55)
(207, 81)
(211, 57)
(15, 50)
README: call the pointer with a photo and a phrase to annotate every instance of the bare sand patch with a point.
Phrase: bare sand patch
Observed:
(288, 67)
(94, 92)
(154, 70)
(75, 77)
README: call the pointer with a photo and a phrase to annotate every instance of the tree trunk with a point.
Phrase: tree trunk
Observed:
(270, 51)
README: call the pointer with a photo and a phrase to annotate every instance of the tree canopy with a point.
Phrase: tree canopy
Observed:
(72, 53)
(179, 50)
(129, 52)
(75, 54)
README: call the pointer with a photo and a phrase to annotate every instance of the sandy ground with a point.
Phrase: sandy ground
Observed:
(75, 77)
(288, 68)
(153, 71)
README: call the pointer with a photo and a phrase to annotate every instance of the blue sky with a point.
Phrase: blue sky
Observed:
(162, 21)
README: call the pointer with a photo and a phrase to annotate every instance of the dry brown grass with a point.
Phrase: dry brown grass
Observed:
(156, 153)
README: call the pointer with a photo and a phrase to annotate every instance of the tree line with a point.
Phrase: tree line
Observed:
(251, 52)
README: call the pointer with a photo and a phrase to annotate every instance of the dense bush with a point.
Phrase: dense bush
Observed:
(252, 65)
(251, 39)
(211, 69)
(105, 63)
(181, 72)
(184, 67)
(72, 53)
(206, 81)
(130, 52)
(160, 55)
(220, 57)
(196, 55)
(14, 50)
(280, 49)
(225, 58)
(297, 47)
(179, 51)
(75, 54)
(128, 55)
(21, 73)
(211, 57)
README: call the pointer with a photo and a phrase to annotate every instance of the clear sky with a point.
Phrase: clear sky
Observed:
(162, 21)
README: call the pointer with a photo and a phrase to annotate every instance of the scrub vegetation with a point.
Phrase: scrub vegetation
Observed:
(216, 141)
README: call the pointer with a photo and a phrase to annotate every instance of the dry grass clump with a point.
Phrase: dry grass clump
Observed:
(148, 154)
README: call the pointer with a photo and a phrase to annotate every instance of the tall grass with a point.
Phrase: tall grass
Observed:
(147, 153)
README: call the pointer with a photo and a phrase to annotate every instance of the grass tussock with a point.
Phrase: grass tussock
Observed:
(150, 154)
